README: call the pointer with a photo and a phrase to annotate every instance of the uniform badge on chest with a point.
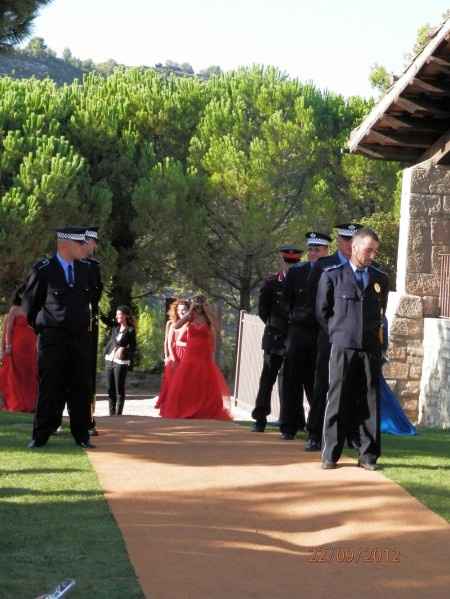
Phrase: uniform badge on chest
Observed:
(377, 287)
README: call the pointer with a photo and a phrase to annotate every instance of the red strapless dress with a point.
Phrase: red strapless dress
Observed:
(19, 372)
(169, 370)
(197, 389)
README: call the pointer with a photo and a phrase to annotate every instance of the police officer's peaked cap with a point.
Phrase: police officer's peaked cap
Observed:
(316, 238)
(71, 233)
(92, 232)
(290, 253)
(347, 229)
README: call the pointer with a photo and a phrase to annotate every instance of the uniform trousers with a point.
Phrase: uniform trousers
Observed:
(272, 368)
(64, 376)
(317, 411)
(298, 377)
(94, 348)
(116, 375)
(353, 396)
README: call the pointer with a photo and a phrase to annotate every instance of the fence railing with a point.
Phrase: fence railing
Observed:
(444, 286)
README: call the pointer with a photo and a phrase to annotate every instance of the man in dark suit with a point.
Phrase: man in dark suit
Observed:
(56, 301)
(299, 364)
(350, 305)
(273, 312)
(91, 235)
(343, 253)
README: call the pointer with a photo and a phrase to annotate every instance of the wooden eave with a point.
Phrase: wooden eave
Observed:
(411, 122)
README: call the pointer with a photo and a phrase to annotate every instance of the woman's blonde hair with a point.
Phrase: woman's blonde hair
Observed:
(172, 312)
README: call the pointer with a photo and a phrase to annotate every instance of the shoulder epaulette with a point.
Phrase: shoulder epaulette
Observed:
(334, 267)
(84, 260)
(42, 263)
(93, 260)
(378, 269)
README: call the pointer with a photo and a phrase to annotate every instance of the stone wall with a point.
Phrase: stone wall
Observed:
(424, 235)
(434, 401)
(405, 353)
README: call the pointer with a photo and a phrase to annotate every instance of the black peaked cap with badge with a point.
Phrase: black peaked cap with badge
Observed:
(92, 232)
(348, 229)
(317, 238)
(71, 234)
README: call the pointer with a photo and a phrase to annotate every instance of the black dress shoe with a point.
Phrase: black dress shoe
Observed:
(34, 444)
(287, 436)
(87, 445)
(258, 427)
(93, 432)
(312, 445)
(329, 465)
(367, 465)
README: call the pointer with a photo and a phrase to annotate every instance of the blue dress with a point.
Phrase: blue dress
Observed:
(393, 419)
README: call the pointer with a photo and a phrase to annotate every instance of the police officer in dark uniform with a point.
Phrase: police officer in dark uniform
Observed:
(351, 303)
(91, 236)
(56, 300)
(273, 312)
(343, 253)
(298, 370)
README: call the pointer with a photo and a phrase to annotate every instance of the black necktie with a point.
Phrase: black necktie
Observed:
(70, 278)
(359, 275)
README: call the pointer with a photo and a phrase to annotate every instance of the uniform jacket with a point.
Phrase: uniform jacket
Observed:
(272, 310)
(297, 294)
(126, 340)
(316, 271)
(95, 283)
(353, 318)
(49, 302)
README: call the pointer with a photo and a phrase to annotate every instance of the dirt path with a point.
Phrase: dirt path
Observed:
(210, 510)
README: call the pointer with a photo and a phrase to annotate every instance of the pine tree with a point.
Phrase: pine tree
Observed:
(16, 19)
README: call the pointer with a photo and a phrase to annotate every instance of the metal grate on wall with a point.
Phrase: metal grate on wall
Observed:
(444, 286)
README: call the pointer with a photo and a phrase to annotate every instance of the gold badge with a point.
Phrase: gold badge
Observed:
(377, 287)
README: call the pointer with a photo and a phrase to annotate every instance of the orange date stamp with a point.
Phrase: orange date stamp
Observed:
(362, 555)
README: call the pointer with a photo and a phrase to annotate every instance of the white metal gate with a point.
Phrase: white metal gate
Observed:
(249, 363)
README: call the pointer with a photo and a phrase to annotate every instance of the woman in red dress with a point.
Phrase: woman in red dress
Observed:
(18, 373)
(174, 346)
(197, 389)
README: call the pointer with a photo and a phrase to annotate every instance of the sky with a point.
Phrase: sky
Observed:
(333, 43)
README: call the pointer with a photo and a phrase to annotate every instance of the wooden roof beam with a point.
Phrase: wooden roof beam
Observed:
(404, 123)
(429, 87)
(397, 153)
(413, 105)
(439, 151)
(439, 64)
(438, 60)
(407, 139)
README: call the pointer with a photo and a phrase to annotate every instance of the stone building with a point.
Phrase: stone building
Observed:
(411, 125)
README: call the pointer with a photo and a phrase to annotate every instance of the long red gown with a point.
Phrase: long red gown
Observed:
(197, 389)
(19, 371)
(169, 369)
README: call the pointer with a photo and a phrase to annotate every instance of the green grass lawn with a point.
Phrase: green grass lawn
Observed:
(54, 521)
(421, 465)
